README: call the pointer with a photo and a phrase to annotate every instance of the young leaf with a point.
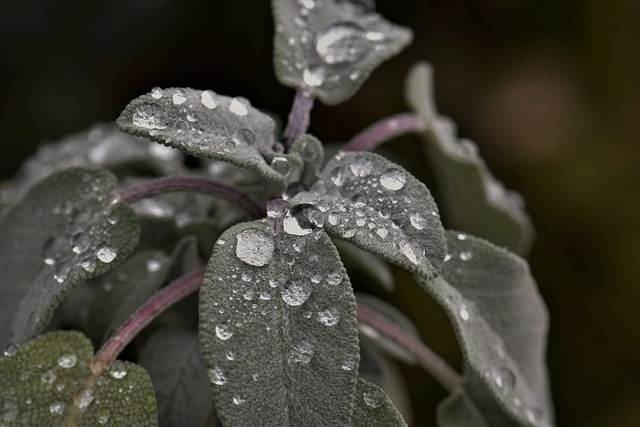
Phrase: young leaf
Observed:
(278, 327)
(501, 323)
(378, 206)
(49, 382)
(173, 360)
(372, 407)
(471, 198)
(330, 47)
(66, 230)
(205, 124)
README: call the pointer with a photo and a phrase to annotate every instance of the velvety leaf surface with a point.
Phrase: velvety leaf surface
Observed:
(458, 410)
(377, 270)
(312, 153)
(173, 360)
(501, 322)
(372, 407)
(49, 382)
(381, 208)
(471, 198)
(64, 231)
(205, 124)
(331, 47)
(278, 327)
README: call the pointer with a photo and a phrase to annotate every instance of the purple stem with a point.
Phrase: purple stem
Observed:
(430, 361)
(383, 131)
(154, 187)
(158, 303)
(298, 117)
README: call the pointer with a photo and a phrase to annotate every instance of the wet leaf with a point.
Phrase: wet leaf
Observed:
(330, 48)
(205, 124)
(377, 270)
(66, 230)
(458, 410)
(501, 323)
(381, 208)
(173, 360)
(49, 382)
(278, 327)
(312, 153)
(471, 198)
(373, 407)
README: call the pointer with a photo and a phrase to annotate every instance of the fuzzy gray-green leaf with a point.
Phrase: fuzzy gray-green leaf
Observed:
(501, 322)
(205, 124)
(329, 47)
(49, 382)
(278, 328)
(65, 230)
(458, 410)
(470, 197)
(376, 269)
(372, 407)
(380, 207)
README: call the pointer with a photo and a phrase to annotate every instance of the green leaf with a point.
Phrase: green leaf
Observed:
(458, 410)
(205, 124)
(173, 360)
(122, 291)
(470, 197)
(312, 153)
(501, 323)
(66, 230)
(329, 47)
(278, 328)
(381, 208)
(373, 407)
(376, 269)
(49, 382)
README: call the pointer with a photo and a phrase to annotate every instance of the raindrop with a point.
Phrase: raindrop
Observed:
(265, 296)
(56, 408)
(179, 97)
(223, 332)
(313, 77)
(80, 243)
(504, 379)
(85, 399)
(48, 377)
(466, 256)
(334, 278)
(254, 247)
(67, 361)
(236, 107)
(382, 232)
(52, 248)
(103, 417)
(342, 43)
(88, 265)
(237, 400)
(393, 179)
(191, 118)
(10, 349)
(207, 99)
(107, 254)
(464, 312)
(533, 414)
(216, 375)
(301, 353)
(230, 355)
(407, 251)
(373, 398)
(296, 293)
(62, 272)
(280, 165)
(149, 117)
(418, 221)
(329, 317)
(462, 236)
(244, 137)
(361, 167)
(117, 371)
(302, 219)
(157, 93)
(338, 176)
(348, 365)
(153, 265)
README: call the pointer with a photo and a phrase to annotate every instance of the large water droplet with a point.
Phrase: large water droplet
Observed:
(301, 353)
(329, 317)
(504, 379)
(373, 398)
(418, 221)
(281, 165)
(334, 278)
(217, 376)
(302, 219)
(341, 43)
(338, 176)
(208, 100)
(313, 77)
(179, 97)
(407, 250)
(117, 370)
(67, 360)
(223, 332)
(157, 93)
(237, 107)
(107, 254)
(393, 179)
(149, 117)
(254, 247)
(296, 293)
(84, 399)
(361, 167)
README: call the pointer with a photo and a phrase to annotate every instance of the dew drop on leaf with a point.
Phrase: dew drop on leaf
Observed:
(236, 107)
(329, 317)
(223, 332)
(153, 265)
(67, 361)
(56, 408)
(301, 353)
(254, 247)
(334, 278)
(361, 167)
(338, 176)
(393, 179)
(418, 221)
(296, 293)
(48, 377)
(237, 400)
(216, 375)
(342, 43)
(207, 99)
(106, 254)
(149, 117)
(504, 379)
(179, 97)
(280, 165)
(157, 93)
(464, 312)
(533, 414)
(302, 219)
(466, 256)
(117, 371)
(84, 399)
(10, 349)
(313, 77)
(373, 398)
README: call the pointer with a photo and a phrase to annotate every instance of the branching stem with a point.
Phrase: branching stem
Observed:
(298, 117)
(170, 184)
(428, 359)
(384, 130)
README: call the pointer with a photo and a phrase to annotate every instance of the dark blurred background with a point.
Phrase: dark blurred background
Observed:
(549, 90)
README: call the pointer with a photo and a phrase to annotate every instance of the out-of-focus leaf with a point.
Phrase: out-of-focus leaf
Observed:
(122, 291)
(458, 410)
(372, 407)
(470, 197)
(376, 269)
(330, 47)
(381, 208)
(501, 323)
(66, 230)
(278, 327)
(173, 360)
(312, 153)
(49, 382)
(205, 124)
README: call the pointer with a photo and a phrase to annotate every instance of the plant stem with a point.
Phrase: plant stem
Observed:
(298, 117)
(430, 361)
(154, 187)
(384, 130)
(158, 303)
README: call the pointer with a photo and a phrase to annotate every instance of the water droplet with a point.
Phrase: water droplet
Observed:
(464, 312)
(85, 399)
(48, 377)
(80, 243)
(230, 355)
(418, 220)
(254, 247)
(334, 278)
(407, 251)
(62, 272)
(67, 360)
(338, 176)
(296, 293)
(107, 254)
(447, 258)
(237, 107)
(393, 179)
(313, 77)
(223, 332)
(179, 97)
(157, 93)
(88, 265)
(56, 408)
(329, 317)
(462, 236)
(341, 43)
(117, 371)
(237, 400)
(533, 414)
(10, 349)
(103, 417)
(191, 118)
(301, 353)
(244, 137)
(361, 167)
(149, 116)
(153, 265)
(348, 365)
(504, 379)
(216, 375)
(373, 398)
(382, 232)
(466, 256)
(207, 99)
(280, 165)
(302, 219)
